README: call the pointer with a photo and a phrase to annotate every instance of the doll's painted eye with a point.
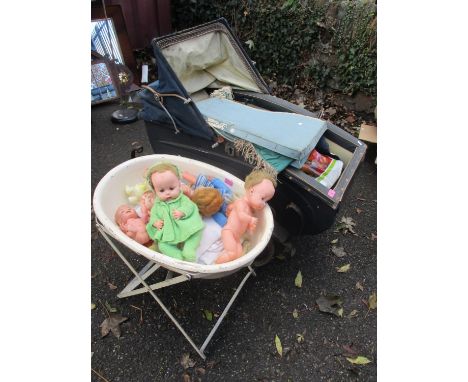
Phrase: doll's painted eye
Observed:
(161, 190)
(171, 188)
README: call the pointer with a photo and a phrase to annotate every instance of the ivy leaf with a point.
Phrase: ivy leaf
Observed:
(279, 347)
(250, 44)
(373, 301)
(295, 313)
(112, 324)
(208, 315)
(338, 251)
(110, 308)
(359, 360)
(298, 280)
(346, 224)
(330, 304)
(344, 268)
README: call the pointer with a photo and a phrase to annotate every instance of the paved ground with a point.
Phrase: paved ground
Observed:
(243, 349)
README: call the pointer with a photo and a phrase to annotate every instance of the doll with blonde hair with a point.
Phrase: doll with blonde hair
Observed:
(259, 189)
(174, 219)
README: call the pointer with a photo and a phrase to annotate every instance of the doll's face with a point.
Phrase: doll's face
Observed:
(260, 194)
(166, 185)
(124, 213)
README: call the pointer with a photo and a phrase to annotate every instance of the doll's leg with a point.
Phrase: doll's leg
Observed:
(170, 250)
(191, 245)
(232, 247)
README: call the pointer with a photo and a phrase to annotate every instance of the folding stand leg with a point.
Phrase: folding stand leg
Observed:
(145, 272)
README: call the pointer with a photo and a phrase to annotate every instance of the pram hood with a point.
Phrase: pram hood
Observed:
(209, 55)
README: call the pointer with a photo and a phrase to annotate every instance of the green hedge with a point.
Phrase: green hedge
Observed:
(309, 43)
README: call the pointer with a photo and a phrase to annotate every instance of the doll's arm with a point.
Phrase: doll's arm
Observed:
(186, 208)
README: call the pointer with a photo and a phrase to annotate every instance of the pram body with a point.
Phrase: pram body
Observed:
(193, 62)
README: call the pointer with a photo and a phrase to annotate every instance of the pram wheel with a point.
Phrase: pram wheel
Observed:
(266, 256)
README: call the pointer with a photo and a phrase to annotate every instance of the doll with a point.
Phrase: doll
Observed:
(174, 218)
(201, 181)
(146, 203)
(133, 226)
(208, 200)
(260, 188)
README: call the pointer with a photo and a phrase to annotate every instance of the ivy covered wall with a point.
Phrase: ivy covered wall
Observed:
(308, 43)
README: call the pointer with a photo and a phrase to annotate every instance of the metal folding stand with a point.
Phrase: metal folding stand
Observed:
(149, 269)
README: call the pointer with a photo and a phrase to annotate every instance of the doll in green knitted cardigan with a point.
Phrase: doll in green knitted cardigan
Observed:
(174, 218)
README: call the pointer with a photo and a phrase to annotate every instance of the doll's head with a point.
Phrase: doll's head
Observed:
(123, 213)
(163, 178)
(147, 199)
(208, 200)
(260, 188)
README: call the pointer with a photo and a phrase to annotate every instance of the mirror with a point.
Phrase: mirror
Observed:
(104, 40)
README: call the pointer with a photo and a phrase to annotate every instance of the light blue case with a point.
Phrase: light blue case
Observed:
(289, 134)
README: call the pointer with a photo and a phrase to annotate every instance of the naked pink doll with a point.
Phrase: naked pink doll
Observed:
(260, 188)
(133, 226)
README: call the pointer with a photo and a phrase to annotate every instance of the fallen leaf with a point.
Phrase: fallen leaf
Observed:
(373, 301)
(350, 119)
(110, 308)
(346, 225)
(358, 210)
(112, 324)
(279, 348)
(111, 286)
(338, 251)
(361, 199)
(208, 315)
(373, 236)
(299, 338)
(186, 377)
(298, 280)
(353, 313)
(186, 361)
(334, 241)
(250, 44)
(359, 360)
(200, 370)
(359, 286)
(330, 304)
(295, 313)
(281, 257)
(93, 306)
(349, 350)
(344, 268)
(330, 111)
